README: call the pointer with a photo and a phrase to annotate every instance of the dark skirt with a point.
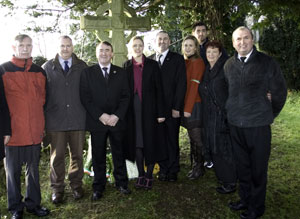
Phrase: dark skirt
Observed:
(195, 121)
(137, 105)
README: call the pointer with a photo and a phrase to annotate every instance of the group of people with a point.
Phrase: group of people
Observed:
(226, 105)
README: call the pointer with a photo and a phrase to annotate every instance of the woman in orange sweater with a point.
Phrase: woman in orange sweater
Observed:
(192, 104)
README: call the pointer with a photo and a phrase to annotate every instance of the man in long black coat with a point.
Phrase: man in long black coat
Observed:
(174, 87)
(104, 93)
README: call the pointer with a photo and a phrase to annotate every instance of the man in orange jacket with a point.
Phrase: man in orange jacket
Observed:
(24, 85)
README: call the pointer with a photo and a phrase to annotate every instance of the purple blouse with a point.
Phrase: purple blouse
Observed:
(138, 76)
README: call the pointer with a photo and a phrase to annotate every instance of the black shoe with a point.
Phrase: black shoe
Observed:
(57, 197)
(124, 190)
(226, 189)
(196, 172)
(249, 215)
(162, 177)
(17, 215)
(78, 193)
(96, 196)
(237, 206)
(172, 177)
(39, 211)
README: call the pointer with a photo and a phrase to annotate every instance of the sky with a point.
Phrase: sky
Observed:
(43, 44)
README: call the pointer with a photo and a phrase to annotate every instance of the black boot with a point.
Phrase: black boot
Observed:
(197, 164)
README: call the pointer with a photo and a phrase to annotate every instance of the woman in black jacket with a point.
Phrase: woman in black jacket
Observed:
(145, 113)
(214, 93)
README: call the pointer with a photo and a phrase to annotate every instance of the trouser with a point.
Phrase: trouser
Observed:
(196, 143)
(171, 165)
(225, 170)
(99, 139)
(251, 148)
(59, 143)
(16, 156)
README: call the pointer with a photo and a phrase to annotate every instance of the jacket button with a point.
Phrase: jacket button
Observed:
(68, 105)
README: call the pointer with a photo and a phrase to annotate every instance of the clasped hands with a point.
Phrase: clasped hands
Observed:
(110, 120)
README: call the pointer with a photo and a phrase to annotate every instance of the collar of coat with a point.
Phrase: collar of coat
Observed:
(22, 63)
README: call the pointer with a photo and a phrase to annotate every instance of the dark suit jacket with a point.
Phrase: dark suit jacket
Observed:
(174, 81)
(99, 97)
(5, 128)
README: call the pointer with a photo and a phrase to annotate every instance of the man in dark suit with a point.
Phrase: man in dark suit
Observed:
(257, 93)
(174, 86)
(104, 93)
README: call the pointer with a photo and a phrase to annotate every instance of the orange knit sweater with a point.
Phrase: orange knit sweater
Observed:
(194, 73)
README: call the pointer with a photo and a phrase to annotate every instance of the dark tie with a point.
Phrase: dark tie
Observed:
(105, 74)
(66, 66)
(243, 59)
(158, 59)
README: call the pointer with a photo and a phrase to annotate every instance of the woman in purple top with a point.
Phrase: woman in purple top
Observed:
(145, 114)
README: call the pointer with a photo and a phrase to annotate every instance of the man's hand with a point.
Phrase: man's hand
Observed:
(269, 96)
(112, 120)
(160, 120)
(187, 115)
(6, 139)
(175, 113)
(104, 118)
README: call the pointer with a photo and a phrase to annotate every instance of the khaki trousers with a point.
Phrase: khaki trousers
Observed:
(60, 141)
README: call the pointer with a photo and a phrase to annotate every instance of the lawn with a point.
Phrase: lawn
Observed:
(190, 199)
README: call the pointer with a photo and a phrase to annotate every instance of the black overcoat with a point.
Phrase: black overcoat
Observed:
(5, 128)
(214, 93)
(152, 108)
(174, 82)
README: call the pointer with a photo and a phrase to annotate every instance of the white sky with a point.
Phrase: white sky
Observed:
(43, 44)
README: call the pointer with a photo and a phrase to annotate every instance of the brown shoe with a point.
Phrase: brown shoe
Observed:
(78, 193)
(57, 197)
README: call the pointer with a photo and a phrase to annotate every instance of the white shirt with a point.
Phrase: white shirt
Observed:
(162, 59)
(247, 56)
(62, 62)
(108, 68)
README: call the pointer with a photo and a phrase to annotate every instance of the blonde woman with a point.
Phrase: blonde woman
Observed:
(145, 113)
(192, 104)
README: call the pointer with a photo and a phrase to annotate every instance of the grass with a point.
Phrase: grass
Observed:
(190, 199)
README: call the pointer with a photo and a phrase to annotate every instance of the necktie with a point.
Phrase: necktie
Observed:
(105, 74)
(66, 66)
(243, 59)
(158, 59)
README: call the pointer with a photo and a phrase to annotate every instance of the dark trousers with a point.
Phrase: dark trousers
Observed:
(59, 143)
(16, 156)
(99, 145)
(171, 165)
(251, 148)
(225, 170)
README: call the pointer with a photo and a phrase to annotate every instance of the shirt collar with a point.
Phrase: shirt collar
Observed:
(62, 61)
(247, 56)
(108, 67)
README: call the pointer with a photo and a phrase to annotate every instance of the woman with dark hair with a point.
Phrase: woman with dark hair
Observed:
(145, 113)
(5, 130)
(214, 93)
(192, 119)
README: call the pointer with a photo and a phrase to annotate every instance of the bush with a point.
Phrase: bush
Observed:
(282, 41)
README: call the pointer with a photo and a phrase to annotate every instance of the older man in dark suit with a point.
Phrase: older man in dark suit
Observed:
(104, 93)
(174, 87)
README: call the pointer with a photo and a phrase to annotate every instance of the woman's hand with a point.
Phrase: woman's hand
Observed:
(187, 115)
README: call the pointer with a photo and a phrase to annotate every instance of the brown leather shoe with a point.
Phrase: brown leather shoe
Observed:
(57, 197)
(78, 193)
